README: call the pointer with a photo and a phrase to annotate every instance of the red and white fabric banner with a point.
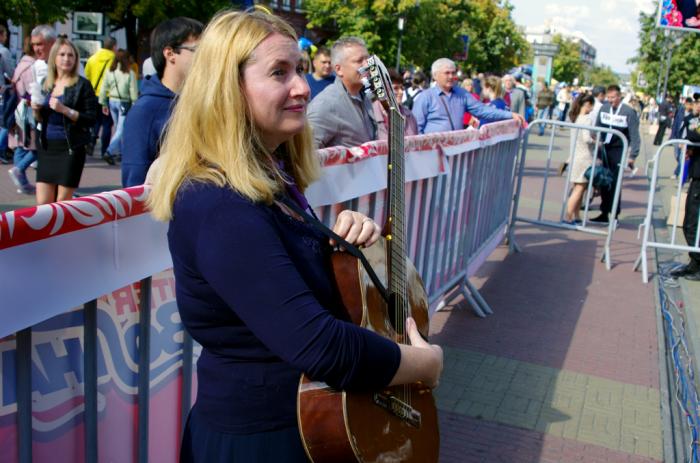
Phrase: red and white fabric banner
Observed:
(353, 172)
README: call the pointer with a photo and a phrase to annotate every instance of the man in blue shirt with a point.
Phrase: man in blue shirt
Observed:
(322, 76)
(441, 108)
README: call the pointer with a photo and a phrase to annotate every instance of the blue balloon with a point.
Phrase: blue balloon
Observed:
(304, 43)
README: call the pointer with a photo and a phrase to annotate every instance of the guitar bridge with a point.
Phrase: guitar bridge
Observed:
(398, 408)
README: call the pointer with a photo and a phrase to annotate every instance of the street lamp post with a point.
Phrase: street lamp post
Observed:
(398, 50)
(676, 41)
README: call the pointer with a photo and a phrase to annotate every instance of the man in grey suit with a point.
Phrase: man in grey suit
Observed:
(342, 115)
(517, 95)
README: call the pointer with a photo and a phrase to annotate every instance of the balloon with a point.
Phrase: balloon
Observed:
(304, 43)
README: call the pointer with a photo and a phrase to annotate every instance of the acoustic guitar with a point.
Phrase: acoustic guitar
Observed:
(398, 423)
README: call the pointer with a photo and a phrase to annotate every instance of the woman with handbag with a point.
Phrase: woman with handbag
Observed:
(65, 109)
(118, 93)
(582, 155)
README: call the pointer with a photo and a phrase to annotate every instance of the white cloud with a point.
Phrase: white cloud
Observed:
(575, 12)
(621, 25)
(607, 6)
(561, 22)
(628, 7)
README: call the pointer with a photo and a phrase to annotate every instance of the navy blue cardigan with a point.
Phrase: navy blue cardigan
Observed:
(254, 288)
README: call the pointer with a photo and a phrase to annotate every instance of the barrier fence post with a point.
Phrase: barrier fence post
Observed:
(647, 240)
(612, 216)
(589, 190)
(513, 246)
(546, 174)
(144, 367)
(606, 258)
(90, 379)
(23, 370)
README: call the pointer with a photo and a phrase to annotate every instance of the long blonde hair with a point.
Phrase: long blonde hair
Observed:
(52, 73)
(211, 136)
(496, 85)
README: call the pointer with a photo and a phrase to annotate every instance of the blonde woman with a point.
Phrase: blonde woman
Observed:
(118, 92)
(254, 285)
(493, 90)
(65, 116)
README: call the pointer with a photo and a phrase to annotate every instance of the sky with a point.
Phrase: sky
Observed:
(612, 26)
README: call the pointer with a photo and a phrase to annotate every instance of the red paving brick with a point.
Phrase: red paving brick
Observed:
(556, 305)
(487, 442)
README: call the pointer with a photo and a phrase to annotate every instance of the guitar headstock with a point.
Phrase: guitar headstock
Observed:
(377, 82)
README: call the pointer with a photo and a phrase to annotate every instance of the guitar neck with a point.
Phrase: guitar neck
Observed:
(396, 180)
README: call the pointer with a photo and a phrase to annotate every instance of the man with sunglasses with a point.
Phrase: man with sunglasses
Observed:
(173, 44)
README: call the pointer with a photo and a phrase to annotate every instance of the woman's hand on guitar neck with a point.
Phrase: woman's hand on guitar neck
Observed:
(356, 228)
(420, 361)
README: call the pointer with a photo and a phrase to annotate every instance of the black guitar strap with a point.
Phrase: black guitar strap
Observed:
(349, 248)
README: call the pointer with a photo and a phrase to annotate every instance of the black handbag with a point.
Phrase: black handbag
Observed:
(603, 177)
(124, 106)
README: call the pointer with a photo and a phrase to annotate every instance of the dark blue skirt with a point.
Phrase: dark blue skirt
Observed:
(202, 444)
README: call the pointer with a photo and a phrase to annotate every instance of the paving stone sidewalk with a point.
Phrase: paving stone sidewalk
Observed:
(567, 367)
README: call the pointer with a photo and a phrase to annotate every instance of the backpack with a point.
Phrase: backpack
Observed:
(8, 103)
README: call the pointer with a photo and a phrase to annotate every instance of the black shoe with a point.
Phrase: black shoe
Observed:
(683, 271)
(602, 219)
(692, 276)
(562, 168)
(108, 159)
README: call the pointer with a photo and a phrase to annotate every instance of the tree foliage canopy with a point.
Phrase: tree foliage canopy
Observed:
(432, 29)
(567, 64)
(602, 75)
(650, 62)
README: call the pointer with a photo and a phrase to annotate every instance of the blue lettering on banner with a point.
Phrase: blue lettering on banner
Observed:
(57, 361)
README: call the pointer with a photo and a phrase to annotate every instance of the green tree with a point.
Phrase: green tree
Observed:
(35, 11)
(567, 65)
(432, 29)
(137, 17)
(650, 62)
(601, 75)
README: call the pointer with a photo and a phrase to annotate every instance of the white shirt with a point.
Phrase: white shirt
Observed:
(148, 69)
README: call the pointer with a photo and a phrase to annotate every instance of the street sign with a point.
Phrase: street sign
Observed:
(545, 49)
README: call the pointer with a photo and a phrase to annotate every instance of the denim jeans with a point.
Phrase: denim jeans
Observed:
(115, 146)
(105, 123)
(23, 158)
(677, 154)
(3, 140)
(543, 114)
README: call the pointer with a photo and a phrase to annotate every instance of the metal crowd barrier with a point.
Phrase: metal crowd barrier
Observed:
(585, 225)
(647, 240)
(456, 214)
(91, 344)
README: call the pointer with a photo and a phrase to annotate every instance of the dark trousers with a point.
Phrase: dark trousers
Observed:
(103, 122)
(611, 159)
(690, 221)
(659, 138)
(201, 444)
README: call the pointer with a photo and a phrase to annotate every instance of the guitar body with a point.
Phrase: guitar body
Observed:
(381, 426)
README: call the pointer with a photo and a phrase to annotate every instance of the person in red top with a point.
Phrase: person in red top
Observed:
(469, 120)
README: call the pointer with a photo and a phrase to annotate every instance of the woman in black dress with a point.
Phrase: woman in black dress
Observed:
(64, 120)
